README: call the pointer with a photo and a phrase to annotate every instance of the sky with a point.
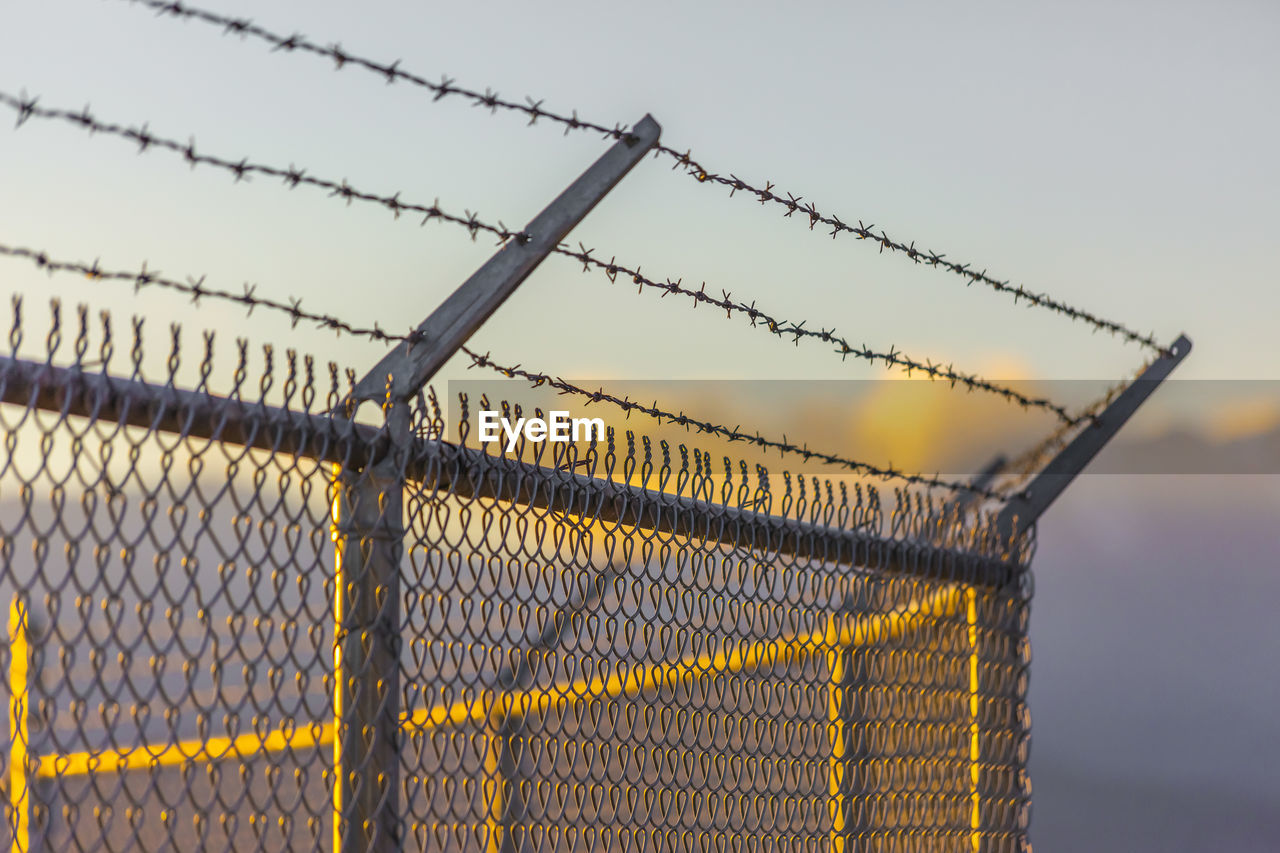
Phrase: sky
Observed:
(1120, 157)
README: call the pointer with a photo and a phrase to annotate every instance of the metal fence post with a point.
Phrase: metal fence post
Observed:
(369, 505)
(369, 535)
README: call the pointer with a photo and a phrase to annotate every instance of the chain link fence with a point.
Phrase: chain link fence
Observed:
(247, 610)
(242, 619)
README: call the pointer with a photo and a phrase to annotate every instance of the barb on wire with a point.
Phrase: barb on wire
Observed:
(767, 194)
(293, 309)
(612, 268)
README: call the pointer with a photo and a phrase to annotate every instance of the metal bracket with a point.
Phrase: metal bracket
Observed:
(1020, 513)
(410, 366)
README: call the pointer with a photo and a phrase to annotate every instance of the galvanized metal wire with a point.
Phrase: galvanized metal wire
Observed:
(758, 318)
(610, 644)
(763, 192)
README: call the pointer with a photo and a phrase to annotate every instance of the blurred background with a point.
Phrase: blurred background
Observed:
(1120, 157)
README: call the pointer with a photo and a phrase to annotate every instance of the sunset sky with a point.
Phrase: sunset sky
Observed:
(1119, 157)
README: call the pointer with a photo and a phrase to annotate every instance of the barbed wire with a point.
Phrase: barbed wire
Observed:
(732, 434)
(768, 194)
(758, 318)
(792, 204)
(197, 290)
(28, 108)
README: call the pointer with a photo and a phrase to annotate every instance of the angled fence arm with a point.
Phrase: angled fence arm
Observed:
(368, 517)
(1020, 513)
(439, 336)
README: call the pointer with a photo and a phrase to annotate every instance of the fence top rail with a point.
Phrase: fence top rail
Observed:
(942, 540)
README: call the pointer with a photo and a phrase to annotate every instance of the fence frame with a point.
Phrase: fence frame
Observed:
(372, 468)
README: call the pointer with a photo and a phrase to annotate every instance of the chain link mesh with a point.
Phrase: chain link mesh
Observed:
(240, 618)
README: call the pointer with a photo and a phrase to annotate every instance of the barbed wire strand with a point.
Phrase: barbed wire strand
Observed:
(293, 177)
(28, 108)
(758, 318)
(731, 434)
(197, 290)
(768, 194)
